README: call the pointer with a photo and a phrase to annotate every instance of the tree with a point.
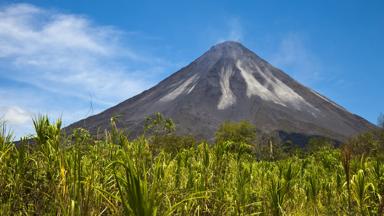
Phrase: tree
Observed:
(171, 143)
(158, 125)
(237, 132)
(160, 132)
(318, 143)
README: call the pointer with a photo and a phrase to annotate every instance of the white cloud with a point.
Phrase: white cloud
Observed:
(63, 59)
(14, 115)
(67, 54)
(294, 56)
(17, 120)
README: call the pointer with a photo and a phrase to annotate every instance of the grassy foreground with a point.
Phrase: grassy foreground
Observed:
(77, 175)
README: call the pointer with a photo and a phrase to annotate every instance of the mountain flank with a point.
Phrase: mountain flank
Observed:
(231, 83)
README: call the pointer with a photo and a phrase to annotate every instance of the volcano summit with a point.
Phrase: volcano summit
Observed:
(231, 83)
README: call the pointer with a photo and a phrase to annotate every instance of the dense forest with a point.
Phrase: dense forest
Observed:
(161, 173)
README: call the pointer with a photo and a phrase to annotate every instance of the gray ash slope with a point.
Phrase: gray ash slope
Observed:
(231, 83)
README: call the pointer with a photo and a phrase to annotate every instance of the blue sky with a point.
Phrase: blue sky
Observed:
(72, 59)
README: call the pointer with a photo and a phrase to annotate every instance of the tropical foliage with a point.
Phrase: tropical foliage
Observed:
(57, 174)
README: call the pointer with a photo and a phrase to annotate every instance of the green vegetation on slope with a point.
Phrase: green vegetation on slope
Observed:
(165, 174)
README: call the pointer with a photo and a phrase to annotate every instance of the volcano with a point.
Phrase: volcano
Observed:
(231, 83)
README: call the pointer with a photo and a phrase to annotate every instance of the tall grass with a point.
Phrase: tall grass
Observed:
(74, 174)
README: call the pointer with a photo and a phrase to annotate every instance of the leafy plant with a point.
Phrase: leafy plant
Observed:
(55, 174)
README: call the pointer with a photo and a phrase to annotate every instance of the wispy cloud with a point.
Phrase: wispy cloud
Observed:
(294, 56)
(66, 56)
(65, 53)
(233, 30)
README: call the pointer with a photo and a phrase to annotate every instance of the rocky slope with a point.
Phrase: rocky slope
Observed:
(230, 82)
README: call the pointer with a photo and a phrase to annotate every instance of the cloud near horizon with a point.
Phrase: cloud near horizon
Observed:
(68, 57)
(14, 115)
